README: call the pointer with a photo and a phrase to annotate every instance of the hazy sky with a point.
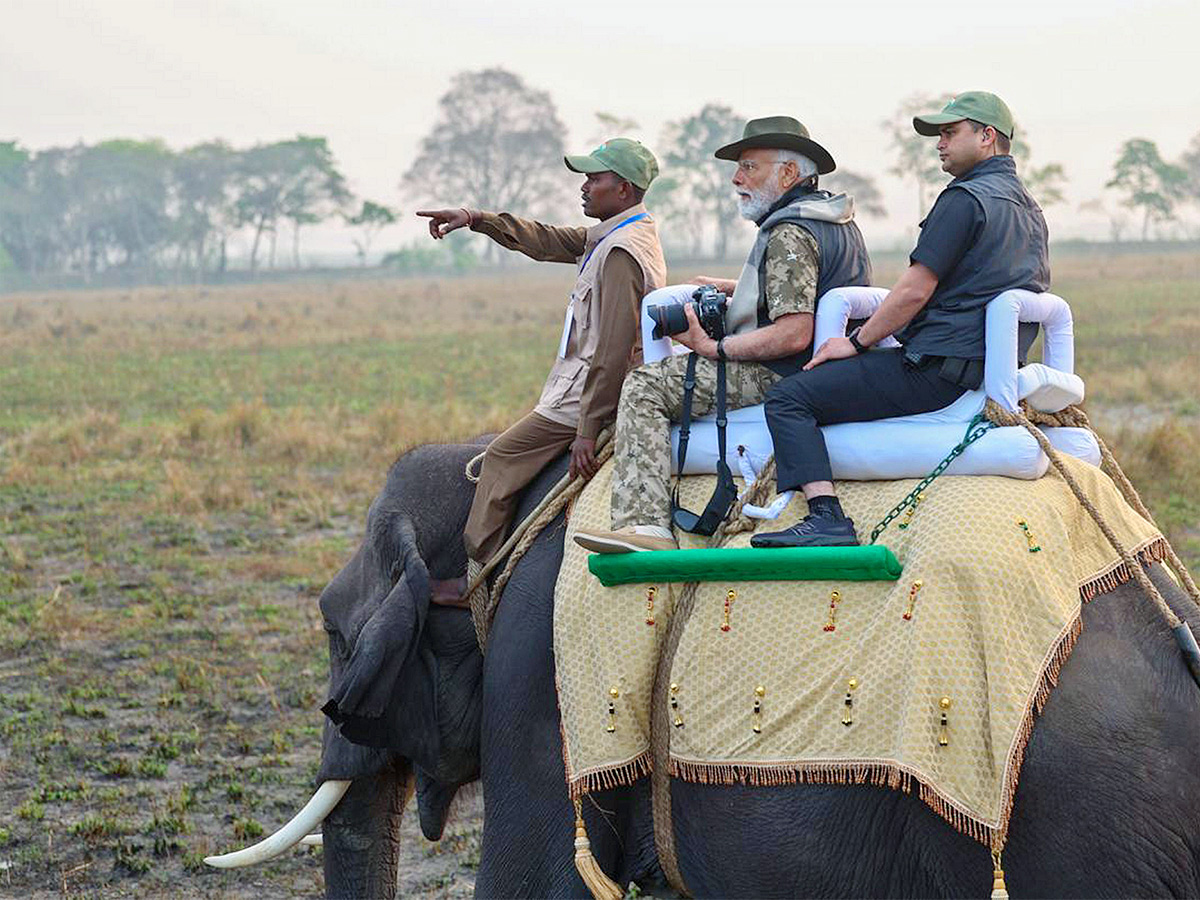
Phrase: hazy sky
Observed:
(1081, 77)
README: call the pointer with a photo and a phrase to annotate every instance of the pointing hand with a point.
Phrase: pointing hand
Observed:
(444, 221)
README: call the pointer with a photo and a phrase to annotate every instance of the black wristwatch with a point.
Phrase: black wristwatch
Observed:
(721, 349)
(853, 337)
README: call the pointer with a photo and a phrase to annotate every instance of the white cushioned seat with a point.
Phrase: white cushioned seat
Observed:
(910, 446)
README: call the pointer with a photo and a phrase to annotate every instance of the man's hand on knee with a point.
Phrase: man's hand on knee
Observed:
(834, 348)
(583, 457)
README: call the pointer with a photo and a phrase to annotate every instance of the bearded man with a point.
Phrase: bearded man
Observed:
(807, 243)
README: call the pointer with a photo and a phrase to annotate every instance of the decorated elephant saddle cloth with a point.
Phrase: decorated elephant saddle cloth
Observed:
(930, 681)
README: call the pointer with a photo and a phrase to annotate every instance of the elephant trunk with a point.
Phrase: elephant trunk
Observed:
(361, 837)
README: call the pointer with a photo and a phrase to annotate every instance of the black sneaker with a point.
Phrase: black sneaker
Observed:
(812, 531)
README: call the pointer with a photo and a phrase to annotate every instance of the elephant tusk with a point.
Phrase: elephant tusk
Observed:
(313, 840)
(295, 831)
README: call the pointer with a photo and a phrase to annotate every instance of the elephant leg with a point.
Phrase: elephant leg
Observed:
(362, 836)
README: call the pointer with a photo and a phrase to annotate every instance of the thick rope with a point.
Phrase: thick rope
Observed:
(474, 467)
(1075, 417)
(1003, 417)
(483, 602)
(759, 493)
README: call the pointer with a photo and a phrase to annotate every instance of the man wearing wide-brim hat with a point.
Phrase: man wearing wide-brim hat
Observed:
(807, 243)
(984, 235)
(618, 261)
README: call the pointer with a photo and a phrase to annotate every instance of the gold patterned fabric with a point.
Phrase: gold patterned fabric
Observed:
(984, 614)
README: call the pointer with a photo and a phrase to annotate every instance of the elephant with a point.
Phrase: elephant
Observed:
(1108, 802)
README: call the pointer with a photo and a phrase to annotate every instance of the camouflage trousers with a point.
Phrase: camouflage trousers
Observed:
(651, 400)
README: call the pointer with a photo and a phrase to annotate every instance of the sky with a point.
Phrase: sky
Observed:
(1080, 77)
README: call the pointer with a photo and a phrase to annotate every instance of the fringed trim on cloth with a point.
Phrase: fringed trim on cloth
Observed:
(1051, 666)
(880, 774)
(889, 774)
(1153, 550)
(609, 777)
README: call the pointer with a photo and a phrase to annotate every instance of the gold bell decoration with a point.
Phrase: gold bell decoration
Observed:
(1034, 547)
(944, 724)
(677, 719)
(834, 598)
(848, 715)
(999, 890)
(601, 886)
(613, 694)
(759, 693)
(912, 599)
(912, 511)
(730, 596)
(650, 593)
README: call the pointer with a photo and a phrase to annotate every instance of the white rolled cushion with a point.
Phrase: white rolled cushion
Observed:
(1048, 389)
(654, 350)
(1004, 314)
(863, 451)
(839, 305)
(1078, 442)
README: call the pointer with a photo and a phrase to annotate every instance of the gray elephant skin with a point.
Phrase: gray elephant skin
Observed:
(1108, 803)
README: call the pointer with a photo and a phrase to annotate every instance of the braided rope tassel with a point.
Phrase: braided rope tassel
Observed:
(600, 885)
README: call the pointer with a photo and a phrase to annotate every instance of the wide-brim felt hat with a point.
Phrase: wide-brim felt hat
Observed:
(779, 133)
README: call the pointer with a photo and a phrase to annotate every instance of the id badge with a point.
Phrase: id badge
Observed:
(568, 320)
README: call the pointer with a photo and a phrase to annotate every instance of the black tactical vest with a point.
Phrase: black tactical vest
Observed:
(842, 262)
(1010, 252)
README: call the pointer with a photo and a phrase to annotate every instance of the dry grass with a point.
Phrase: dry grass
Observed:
(181, 471)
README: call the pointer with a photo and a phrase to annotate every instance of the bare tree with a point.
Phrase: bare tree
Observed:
(609, 125)
(702, 191)
(915, 155)
(1044, 183)
(497, 144)
(1149, 182)
(867, 198)
(370, 220)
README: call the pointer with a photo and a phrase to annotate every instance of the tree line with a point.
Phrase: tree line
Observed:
(143, 209)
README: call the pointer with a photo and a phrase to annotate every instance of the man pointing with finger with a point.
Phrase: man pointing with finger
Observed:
(618, 261)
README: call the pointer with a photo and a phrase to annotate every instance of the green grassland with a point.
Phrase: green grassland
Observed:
(182, 470)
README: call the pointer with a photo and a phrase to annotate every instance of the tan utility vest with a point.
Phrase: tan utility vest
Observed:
(560, 400)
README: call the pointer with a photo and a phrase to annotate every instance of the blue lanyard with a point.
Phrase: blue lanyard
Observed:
(628, 221)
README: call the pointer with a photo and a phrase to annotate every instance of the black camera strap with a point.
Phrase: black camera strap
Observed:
(723, 497)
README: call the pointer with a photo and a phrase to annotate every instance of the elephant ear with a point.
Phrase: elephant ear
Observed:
(385, 643)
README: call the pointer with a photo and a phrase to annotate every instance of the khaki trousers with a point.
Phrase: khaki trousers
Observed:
(512, 461)
(651, 400)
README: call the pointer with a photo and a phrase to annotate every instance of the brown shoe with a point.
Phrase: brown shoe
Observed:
(631, 539)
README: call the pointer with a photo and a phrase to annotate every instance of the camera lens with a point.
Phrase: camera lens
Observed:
(669, 318)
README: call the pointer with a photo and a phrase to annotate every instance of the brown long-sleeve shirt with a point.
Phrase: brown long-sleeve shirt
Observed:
(619, 291)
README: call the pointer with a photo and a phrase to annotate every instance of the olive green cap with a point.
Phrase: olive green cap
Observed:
(630, 159)
(779, 133)
(978, 105)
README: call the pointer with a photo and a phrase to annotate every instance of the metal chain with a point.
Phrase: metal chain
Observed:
(977, 428)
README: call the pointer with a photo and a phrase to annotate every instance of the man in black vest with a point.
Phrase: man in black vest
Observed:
(984, 235)
(807, 243)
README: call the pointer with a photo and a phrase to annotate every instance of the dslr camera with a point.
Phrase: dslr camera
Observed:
(709, 304)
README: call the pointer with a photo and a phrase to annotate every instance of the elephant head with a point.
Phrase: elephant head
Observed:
(405, 700)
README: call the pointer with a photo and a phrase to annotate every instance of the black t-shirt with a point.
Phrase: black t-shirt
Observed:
(948, 232)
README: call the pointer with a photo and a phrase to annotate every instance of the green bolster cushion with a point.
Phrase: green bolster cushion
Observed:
(872, 562)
